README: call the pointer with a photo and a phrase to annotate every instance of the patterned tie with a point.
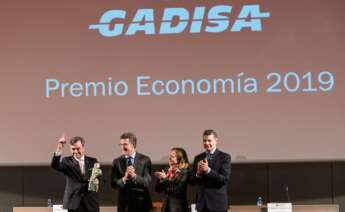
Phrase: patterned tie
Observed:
(209, 157)
(129, 161)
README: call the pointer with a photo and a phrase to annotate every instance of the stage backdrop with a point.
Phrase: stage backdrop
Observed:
(268, 76)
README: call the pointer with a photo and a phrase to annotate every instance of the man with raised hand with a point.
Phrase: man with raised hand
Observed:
(211, 173)
(77, 169)
(131, 175)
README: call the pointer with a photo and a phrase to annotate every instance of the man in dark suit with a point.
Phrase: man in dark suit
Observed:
(131, 174)
(77, 169)
(211, 172)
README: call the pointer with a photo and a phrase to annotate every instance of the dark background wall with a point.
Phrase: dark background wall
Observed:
(309, 183)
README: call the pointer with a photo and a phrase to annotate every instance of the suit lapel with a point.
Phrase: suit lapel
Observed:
(76, 167)
(139, 164)
(203, 156)
(123, 164)
(136, 161)
(87, 167)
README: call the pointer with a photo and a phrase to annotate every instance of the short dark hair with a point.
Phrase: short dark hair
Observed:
(75, 139)
(210, 132)
(131, 137)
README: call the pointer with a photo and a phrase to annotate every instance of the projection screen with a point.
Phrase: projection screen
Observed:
(268, 76)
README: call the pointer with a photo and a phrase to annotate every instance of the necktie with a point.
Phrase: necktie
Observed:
(81, 165)
(209, 157)
(129, 161)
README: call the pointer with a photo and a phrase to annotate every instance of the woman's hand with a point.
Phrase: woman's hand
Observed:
(161, 175)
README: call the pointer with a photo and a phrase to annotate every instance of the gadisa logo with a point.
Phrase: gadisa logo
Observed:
(178, 20)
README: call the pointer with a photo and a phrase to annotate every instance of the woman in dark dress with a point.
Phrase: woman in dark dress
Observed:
(173, 182)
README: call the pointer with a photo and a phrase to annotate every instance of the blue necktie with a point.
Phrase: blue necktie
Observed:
(129, 161)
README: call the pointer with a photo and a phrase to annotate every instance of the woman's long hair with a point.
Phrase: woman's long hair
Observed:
(182, 158)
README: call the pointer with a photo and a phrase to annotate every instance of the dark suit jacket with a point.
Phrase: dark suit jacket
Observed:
(134, 194)
(76, 189)
(175, 199)
(212, 187)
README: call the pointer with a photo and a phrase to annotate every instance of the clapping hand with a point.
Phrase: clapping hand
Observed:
(125, 177)
(130, 173)
(161, 175)
(202, 167)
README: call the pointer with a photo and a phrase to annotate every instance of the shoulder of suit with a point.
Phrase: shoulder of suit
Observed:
(223, 153)
(67, 158)
(118, 159)
(142, 156)
(90, 158)
(200, 155)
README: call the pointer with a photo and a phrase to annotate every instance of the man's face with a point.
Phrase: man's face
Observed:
(209, 142)
(77, 149)
(127, 147)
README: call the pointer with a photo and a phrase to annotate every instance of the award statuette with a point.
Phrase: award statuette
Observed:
(94, 181)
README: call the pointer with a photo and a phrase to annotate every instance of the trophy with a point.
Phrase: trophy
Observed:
(94, 181)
